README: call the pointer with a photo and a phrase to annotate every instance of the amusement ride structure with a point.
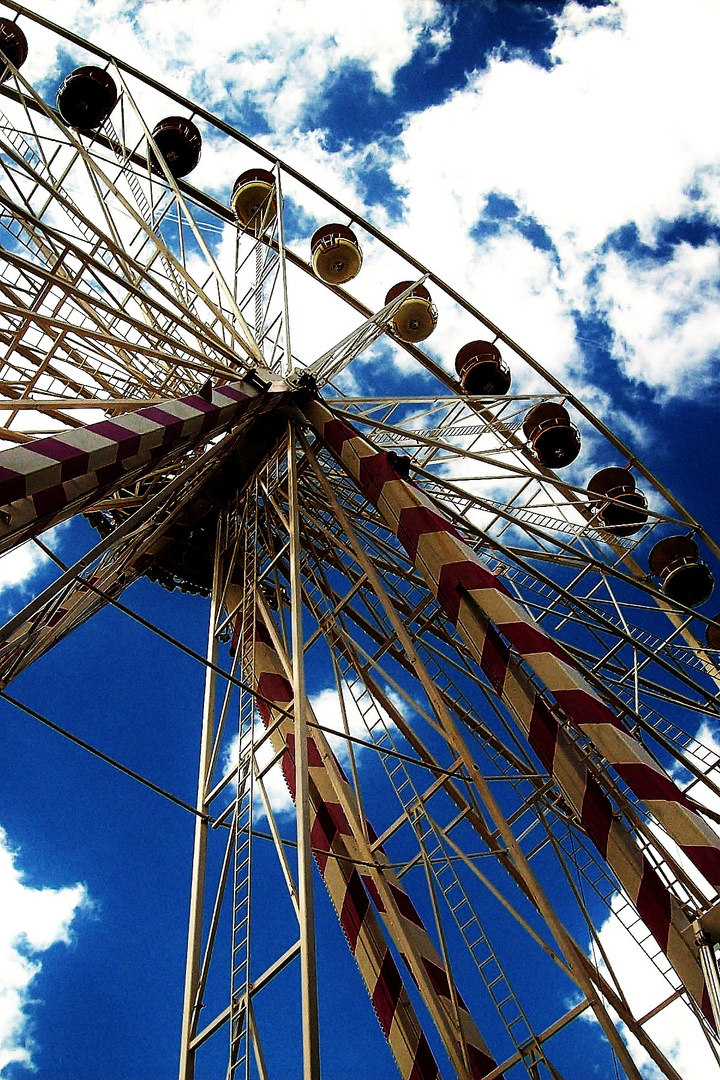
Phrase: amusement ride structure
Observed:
(523, 656)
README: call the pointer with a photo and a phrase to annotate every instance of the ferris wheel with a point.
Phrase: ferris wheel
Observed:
(252, 398)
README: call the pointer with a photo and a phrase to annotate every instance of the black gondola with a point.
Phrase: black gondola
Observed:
(86, 98)
(180, 144)
(554, 439)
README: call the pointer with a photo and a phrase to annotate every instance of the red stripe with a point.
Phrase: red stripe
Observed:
(12, 486)
(55, 449)
(49, 500)
(75, 461)
(480, 1063)
(172, 425)
(330, 820)
(650, 783)
(387, 992)
(314, 759)
(232, 393)
(336, 433)
(584, 708)
(707, 860)
(209, 420)
(424, 1065)
(354, 909)
(199, 403)
(596, 814)
(494, 658)
(707, 1008)
(417, 521)
(653, 905)
(109, 430)
(321, 846)
(462, 577)
(440, 982)
(373, 890)
(543, 732)
(375, 471)
(275, 687)
(57, 617)
(528, 639)
(437, 976)
(343, 775)
(262, 633)
(127, 442)
(405, 905)
(287, 763)
(106, 474)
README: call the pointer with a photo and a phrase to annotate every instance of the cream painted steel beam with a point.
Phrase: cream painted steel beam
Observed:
(311, 1043)
(564, 940)
(177, 267)
(366, 225)
(191, 1006)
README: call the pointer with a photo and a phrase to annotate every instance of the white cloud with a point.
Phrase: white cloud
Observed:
(282, 56)
(614, 132)
(327, 712)
(664, 316)
(606, 135)
(18, 566)
(33, 920)
(674, 1029)
(518, 286)
(276, 789)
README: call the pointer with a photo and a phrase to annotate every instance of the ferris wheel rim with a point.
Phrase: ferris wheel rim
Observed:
(438, 371)
(226, 215)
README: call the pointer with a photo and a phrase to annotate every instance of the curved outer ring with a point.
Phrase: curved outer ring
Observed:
(366, 225)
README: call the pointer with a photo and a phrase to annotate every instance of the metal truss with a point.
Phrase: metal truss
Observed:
(355, 735)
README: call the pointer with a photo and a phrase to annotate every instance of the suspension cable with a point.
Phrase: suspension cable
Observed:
(103, 757)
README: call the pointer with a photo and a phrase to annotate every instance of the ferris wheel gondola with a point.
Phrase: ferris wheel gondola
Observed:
(510, 683)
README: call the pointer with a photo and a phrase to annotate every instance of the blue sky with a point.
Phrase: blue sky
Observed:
(559, 164)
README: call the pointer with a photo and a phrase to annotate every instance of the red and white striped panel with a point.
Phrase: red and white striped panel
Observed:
(657, 907)
(83, 597)
(338, 851)
(42, 630)
(471, 597)
(47, 480)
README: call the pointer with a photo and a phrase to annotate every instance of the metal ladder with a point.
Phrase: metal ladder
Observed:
(241, 824)
(453, 890)
(41, 245)
(478, 943)
(152, 216)
(585, 861)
